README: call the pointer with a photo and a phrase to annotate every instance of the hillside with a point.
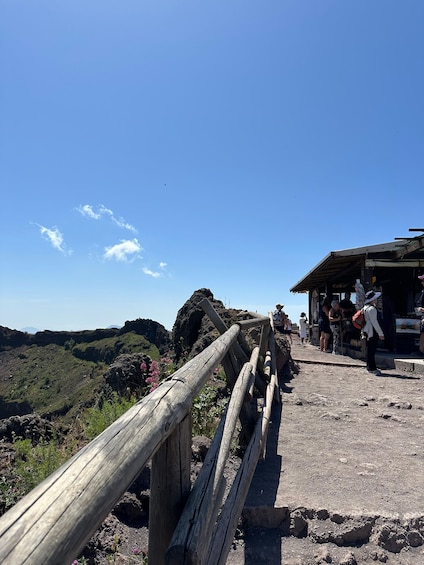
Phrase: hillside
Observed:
(58, 373)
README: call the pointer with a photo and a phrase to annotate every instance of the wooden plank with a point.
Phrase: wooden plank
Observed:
(256, 315)
(401, 263)
(228, 519)
(253, 323)
(190, 540)
(413, 245)
(169, 489)
(218, 322)
(193, 517)
(267, 410)
(232, 366)
(254, 362)
(53, 523)
(263, 343)
(274, 369)
(225, 529)
(260, 382)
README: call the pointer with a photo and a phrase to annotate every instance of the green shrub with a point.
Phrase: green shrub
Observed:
(97, 419)
(10, 492)
(207, 410)
(34, 463)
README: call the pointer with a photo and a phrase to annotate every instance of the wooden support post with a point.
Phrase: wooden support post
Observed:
(254, 362)
(242, 342)
(368, 273)
(266, 416)
(169, 489)
(263, 344)
(190, 541)
(217, 321)
(274, 369)
(227, 522)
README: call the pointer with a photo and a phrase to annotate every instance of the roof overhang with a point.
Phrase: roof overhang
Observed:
(341, 268)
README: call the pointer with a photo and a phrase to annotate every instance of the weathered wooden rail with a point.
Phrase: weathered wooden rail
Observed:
(53, 523)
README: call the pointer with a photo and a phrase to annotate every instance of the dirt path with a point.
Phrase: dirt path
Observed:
(344, 469)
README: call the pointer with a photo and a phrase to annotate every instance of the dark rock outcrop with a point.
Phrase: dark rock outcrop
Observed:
(125, 374)
(153, 331)
(29, 426)
(8, 409)
(9, 339)
(130, 508)
(12, 338)
(199, 448)
(193, 331)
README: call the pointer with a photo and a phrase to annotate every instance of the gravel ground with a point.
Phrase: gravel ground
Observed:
(343, 477)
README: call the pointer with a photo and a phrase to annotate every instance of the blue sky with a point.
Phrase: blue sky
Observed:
(148, 149)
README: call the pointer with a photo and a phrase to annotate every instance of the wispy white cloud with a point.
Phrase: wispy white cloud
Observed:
(151, 273)
(155, 274)
(55, 237)
(101, 211)
(124, 251)
(118, 221)
(87, 210)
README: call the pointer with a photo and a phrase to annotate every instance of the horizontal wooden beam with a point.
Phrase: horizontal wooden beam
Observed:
(53, 523)
(413, 245)
(394, 264)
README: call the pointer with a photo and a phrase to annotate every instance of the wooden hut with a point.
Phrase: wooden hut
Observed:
(391, 267)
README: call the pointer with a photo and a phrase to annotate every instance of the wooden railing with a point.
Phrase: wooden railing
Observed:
(54, 522)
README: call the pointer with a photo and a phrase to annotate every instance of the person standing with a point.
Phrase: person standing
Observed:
(347, 307)
(288, 328)
(279, 318)
(419, 308)
(372, 331)
(303, 327)
(335, 318)
(324, 325)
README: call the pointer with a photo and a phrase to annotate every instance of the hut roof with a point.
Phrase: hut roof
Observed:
(344, 266)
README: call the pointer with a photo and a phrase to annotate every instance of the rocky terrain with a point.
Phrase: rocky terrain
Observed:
(343, 478)
(152, 331)
(362, 503)
(124, 533)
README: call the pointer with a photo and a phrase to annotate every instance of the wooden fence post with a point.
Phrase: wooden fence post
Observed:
(53, 523)
(236, 350)
(169, 489)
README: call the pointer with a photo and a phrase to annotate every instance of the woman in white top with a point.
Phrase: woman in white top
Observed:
(372, 330)
(303, 327)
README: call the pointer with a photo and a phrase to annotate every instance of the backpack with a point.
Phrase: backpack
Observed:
(358, 319)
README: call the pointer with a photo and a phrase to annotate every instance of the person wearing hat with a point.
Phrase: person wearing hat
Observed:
(419, 309)
(372, 330)
(279, 318)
